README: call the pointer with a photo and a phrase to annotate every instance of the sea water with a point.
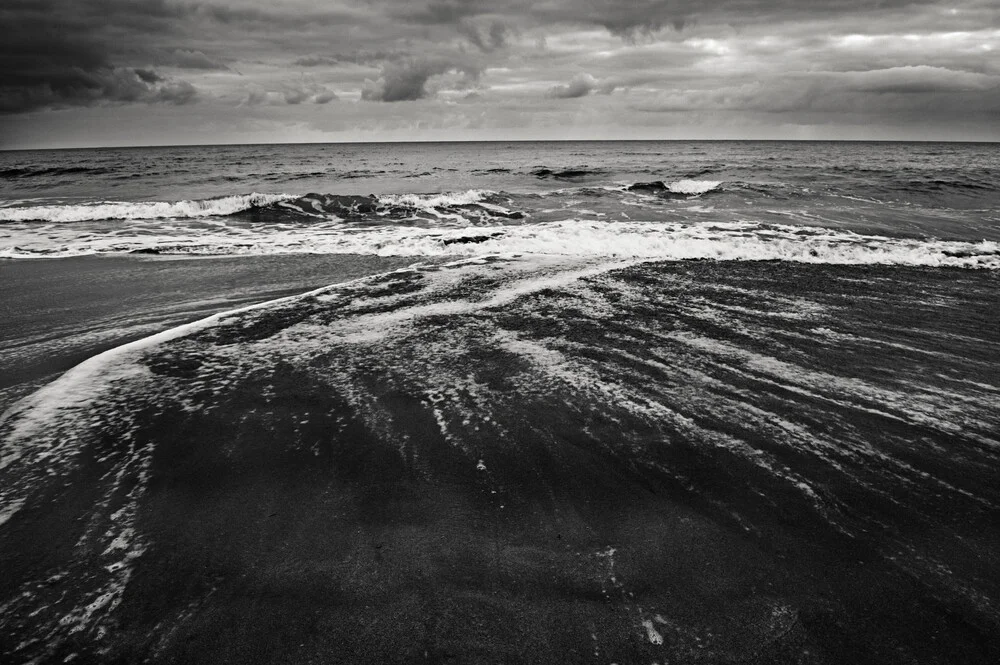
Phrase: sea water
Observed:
(902, 201)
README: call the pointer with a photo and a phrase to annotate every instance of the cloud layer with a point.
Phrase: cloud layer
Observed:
(342, 69)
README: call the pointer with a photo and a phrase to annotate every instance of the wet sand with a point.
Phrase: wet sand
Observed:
(59, 312)
(686, 462)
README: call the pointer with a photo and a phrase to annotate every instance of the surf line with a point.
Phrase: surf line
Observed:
(75, 387)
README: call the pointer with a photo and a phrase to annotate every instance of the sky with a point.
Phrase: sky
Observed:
(76, 73)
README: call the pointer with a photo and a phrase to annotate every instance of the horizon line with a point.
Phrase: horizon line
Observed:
(553, 140)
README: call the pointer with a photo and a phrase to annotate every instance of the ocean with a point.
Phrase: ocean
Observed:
(588, 402)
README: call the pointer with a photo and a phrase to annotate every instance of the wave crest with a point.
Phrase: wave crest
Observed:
(88, 212)
(694, 186)
(680, 187)
(277, 207)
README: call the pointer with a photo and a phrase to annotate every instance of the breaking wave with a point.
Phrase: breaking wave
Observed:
(483, 204)
(226, 205)
(738, 241)
(682, 187)
(646, 220)
(273, 207)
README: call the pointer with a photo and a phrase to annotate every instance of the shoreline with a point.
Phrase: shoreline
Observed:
(61, 312)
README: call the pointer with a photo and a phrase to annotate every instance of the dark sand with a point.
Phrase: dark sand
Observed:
(58, 312)
(686, 462)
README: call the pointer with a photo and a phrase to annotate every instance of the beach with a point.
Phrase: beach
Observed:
(58, 313)
(614, 404)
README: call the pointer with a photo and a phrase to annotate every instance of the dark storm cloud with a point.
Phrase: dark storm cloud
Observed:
(78, 87)
(53, 61)
(408, 81)
(54, 55)
(524, 59)
(81, 52)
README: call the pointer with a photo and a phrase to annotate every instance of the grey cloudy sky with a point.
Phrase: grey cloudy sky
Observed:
(135, 72)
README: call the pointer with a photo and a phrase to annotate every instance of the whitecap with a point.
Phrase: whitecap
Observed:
(692, 187)
(226, 205)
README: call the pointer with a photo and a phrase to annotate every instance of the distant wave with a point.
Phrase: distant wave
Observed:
(734, 241)
(470, 206)
(682, 187)
(569, 173)
(28, 172)
(473, 205)
(944, 185)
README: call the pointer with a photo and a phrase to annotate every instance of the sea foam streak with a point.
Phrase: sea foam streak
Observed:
(41, 437)
(740, 241)
(670, 376)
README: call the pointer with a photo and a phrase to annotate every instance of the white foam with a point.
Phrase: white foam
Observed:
(78, 386)
(652, 634)
(8, 511)
(372, 328)
(438, 200)
(226, 205)
(693, 186)
(733, 241)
